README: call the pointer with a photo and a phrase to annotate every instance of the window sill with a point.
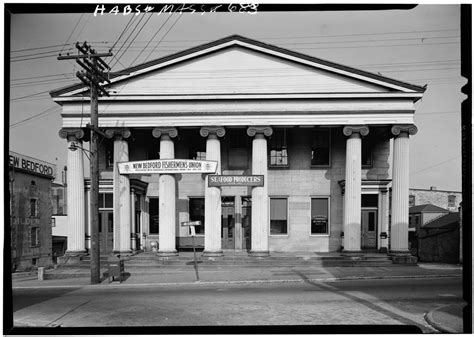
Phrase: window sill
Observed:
(279, 235)
(319, 235)
(278, 166)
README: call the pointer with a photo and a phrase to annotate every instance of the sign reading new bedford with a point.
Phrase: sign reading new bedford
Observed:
(164, 166)
(221, 180)
(31, 165)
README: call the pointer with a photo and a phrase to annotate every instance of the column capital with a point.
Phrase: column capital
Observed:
(254, 130)
(71, 133)
(118, 133)
(170, 132)
(363, 130)
(212, 130)
(410, 129)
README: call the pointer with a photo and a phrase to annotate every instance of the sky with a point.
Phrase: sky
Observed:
(419, 46)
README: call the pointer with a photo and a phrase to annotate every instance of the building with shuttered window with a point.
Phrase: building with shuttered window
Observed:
(302, 145)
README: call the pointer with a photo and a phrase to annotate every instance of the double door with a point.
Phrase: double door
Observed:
(236, 223)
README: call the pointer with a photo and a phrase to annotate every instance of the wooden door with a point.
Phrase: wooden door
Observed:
(369, 229)
(106, 231)
(228, 223)
(246, 222)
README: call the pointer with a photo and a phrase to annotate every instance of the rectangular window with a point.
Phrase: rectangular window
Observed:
(154, 216)
(278, 216)
(106, 200)
(196, 213)
(411, 201)
(321, 147)
(320, 216)
(278, 148)
(197, 153)
(33, 207)
(34, 236)
(238, 149)
(366, 152)
(451, 200)
(369, 200)
(109, 154)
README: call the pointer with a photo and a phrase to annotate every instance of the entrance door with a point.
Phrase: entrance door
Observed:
(106, 231)
(368, 233)
(246, 222)
(228, 223)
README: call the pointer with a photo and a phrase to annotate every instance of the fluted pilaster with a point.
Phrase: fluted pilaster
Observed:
(212, 201)
(400, 188)
(352, 195)
(75, 191)
(167, 195)
(260, 223)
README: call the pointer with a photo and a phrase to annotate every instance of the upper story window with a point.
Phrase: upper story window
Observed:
(366, 152)
(321, 147)
(34, 235)
(238, 149)
(33, 207)
(278, 148)
(197, 152)
(451, 201)
(109, 154)
(411, 201)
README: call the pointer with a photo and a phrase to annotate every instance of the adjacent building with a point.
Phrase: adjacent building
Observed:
(30, 211)
(449, 200)
(302, 147)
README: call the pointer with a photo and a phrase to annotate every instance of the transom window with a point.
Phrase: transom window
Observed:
(278, 216)
(320, 147)
(106, 200)
(279, 148)
(319, 215)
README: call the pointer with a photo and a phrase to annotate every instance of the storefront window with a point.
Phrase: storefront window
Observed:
(319, 216)
(278, 216)
(320, 147)
(278, 148)
(154, 216)
(196, 213)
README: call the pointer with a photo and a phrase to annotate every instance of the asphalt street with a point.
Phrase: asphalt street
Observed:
(369, 302)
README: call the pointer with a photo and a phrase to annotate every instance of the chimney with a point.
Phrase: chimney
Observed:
(433, 188)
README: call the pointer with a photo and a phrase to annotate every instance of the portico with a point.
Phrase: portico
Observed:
(319, 127)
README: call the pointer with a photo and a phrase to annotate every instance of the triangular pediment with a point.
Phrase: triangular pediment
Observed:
(237, 65)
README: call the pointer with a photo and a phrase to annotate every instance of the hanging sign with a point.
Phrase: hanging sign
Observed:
(163, 166)
(230, 180)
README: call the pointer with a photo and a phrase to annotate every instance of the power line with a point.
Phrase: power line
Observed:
(65, 43)
(123, 31)
(179, 17)
(38, 93)
(47, 111)
(126, 40)
(436, 165)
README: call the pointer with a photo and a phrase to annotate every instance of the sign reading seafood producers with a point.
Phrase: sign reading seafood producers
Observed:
(165, 166)
(231, 180)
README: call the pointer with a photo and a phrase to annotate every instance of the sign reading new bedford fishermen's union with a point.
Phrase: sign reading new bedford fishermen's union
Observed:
(164, 166)
(224, 180)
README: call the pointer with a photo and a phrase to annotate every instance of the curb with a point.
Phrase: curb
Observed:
(204, 283)
(442, 328)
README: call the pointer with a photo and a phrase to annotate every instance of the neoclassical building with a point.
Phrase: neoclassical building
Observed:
(303, 147)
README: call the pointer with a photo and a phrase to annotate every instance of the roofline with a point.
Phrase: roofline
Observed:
(429, 190)
(202, 47)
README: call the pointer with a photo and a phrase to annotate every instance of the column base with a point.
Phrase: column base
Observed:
(72, 257)
(167, 253)
(207, 253)
(262, 253)
(403, 257)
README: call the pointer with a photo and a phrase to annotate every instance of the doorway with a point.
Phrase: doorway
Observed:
(368, 233)
(246, 222)
(228, 222)
(106, 231)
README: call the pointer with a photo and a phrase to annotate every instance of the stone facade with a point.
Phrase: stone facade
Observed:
(449, 200)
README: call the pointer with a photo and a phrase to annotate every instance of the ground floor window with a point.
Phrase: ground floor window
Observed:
(319, 215)
(278, 216)
(196, 213)
(154, 216)
(34, 236)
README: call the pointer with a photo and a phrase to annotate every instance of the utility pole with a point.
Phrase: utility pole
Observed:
(93, 75)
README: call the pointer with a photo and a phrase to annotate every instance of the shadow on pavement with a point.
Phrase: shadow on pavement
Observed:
(22, 298)
(407, 322)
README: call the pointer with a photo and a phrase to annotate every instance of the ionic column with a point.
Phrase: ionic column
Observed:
(75, 191)
(132, 219)
(259, 239)
(212, 201)
(400, 189)
(167, 195)
(121, 192)
(352, 196)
